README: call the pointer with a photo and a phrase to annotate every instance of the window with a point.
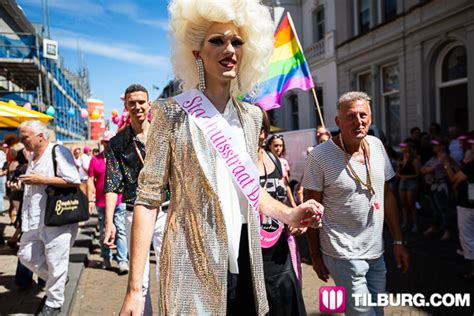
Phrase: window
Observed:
(389, 9)
(364, 83)
(452, 109)
(364, 16)
(318, 24)
(391, 103)
(454, 64)
(294, 111)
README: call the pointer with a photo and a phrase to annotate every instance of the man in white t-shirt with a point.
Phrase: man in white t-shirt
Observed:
(349, 175)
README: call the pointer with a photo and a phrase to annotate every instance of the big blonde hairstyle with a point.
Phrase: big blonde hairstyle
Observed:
(190, 20)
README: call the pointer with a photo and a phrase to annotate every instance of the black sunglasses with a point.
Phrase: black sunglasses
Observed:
(276, 136)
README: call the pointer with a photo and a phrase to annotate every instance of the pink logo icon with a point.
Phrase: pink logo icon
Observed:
(332, 299)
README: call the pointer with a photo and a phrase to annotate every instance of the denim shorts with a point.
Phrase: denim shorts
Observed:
(408, 185)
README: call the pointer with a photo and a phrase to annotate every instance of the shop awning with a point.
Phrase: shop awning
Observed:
(13, 115)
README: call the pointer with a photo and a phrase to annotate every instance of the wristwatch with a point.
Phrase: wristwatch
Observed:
(399, 242)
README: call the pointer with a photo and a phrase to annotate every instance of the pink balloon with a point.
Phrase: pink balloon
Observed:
(84, 113)
(116, 119)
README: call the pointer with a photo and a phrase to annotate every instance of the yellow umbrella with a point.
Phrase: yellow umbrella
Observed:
(13, 115)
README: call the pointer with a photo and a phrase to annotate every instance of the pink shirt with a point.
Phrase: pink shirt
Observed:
(97, 170)
(286, 167)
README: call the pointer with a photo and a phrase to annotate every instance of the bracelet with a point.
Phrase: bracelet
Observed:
(399, 242)
(92, 201)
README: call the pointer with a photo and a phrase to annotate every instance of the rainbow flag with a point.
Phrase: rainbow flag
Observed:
(288, 68)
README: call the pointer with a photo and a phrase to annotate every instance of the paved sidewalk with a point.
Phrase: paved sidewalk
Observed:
(101, 292)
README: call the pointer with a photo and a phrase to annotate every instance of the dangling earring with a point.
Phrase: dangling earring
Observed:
(239, 85)
(202, 79)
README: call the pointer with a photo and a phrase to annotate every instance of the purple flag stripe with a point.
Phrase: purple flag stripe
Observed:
(272, 101)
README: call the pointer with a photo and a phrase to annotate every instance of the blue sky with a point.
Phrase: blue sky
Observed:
(123, 42)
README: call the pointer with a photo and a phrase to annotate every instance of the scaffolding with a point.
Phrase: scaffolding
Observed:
(27, 76)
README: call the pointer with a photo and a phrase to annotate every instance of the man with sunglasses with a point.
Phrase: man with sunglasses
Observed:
(349, 175)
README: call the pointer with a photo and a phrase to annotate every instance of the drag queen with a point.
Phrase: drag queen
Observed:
(203, 143)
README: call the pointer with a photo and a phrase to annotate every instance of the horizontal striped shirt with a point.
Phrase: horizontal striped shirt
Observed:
(351, 227)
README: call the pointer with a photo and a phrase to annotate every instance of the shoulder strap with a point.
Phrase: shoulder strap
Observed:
(276, 161)
(55, 165)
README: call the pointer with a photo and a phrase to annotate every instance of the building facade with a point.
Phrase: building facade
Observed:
(319, 32)
(415, 58)
(27, 75)
(314, 21)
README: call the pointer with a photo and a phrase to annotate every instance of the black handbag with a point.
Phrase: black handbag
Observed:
(64, 205)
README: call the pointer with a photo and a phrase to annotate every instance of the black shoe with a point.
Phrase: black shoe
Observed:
(41, 305)
(49, 311)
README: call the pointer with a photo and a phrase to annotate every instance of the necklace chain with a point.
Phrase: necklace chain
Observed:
(368, 185)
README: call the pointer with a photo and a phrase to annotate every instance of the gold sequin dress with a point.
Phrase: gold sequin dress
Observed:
(194, 255)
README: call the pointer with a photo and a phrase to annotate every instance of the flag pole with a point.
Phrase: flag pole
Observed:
(301, 49)
(318, 107)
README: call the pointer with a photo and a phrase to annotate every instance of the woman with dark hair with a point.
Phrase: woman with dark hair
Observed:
(10, 140)
(276, 145)
(281, 282)
(17, 168)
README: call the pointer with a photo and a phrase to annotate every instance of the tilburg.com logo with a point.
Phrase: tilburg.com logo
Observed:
(332, 299)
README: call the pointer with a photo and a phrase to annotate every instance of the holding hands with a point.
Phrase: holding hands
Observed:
(307, 214)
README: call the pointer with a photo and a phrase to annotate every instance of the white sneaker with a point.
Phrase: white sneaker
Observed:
(123, 268)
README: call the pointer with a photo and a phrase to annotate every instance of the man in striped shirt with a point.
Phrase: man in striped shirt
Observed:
(349, 174)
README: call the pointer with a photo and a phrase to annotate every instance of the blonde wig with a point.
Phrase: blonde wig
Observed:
(190, 20)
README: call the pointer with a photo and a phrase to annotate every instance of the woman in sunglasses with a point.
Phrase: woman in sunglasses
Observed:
(276, 145)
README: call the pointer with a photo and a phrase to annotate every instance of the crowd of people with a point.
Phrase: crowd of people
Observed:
(226, 243)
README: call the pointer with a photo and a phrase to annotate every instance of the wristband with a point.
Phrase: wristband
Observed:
(399, 242)
(92, 201)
